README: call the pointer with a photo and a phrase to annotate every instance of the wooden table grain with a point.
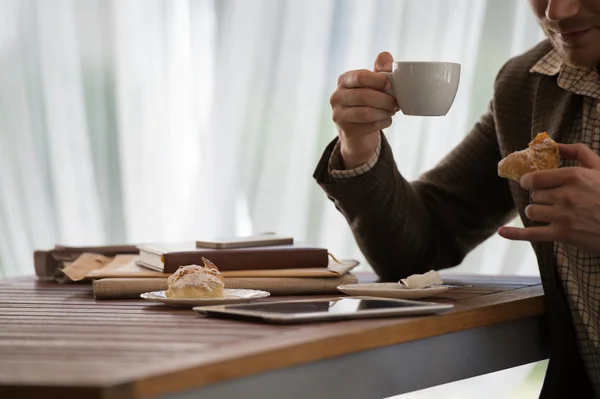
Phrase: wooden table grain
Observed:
(56, 341)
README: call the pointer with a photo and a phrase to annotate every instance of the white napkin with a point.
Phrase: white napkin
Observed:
(422, 280)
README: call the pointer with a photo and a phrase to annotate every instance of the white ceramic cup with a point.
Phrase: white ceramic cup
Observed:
(424, 88)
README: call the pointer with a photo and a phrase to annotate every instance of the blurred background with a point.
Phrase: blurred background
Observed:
(150, 120)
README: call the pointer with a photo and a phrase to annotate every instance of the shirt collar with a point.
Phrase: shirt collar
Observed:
(550, 64)
(578, 80)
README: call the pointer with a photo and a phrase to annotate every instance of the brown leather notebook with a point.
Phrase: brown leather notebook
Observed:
(167, 258)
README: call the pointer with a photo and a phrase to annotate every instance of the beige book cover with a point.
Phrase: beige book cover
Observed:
(131, 288)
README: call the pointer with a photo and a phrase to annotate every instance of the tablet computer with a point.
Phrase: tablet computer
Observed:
(323, 309)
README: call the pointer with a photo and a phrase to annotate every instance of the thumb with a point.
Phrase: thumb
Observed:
(580, 153)
(383, 62)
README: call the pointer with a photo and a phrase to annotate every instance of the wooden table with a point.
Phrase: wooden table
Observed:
(56, 341)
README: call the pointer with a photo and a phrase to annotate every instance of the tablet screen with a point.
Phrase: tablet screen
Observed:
(339, 306)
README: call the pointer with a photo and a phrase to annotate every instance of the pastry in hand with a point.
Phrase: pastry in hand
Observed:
(196, 281)
(543, 153)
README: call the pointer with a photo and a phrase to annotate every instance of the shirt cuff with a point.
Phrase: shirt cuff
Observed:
(336, 164)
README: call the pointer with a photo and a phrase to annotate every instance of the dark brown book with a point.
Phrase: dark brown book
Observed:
(167, 258)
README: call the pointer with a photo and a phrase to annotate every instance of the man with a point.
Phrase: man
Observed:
(432, 223)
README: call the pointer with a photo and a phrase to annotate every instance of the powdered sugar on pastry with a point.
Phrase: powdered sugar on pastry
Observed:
(542, 153)
(194, 281)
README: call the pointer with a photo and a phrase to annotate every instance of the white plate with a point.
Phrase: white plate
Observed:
(390, 290)
(229, 296)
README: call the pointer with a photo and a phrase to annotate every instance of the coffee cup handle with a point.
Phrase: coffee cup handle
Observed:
(390, 90)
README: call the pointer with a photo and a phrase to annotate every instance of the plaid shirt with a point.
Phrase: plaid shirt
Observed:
(336, 164)
(578, 270)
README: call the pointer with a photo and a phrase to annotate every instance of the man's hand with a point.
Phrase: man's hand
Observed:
(361, 109)
(566, 198)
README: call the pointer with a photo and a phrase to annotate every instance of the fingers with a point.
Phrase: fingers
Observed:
(539, 234)
(563, 196)
(551, 178)
(544, 197)
(547, 214)
(360, 115)
(383, 62)
(580, 153)
(364, 79)
(360, 105)
(364, 97)
(358, 100)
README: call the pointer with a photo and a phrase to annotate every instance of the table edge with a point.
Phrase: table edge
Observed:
(236, 361)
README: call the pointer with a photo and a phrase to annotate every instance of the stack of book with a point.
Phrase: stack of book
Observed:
(269, 263)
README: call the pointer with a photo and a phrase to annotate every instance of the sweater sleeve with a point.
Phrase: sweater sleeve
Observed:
(406, 227)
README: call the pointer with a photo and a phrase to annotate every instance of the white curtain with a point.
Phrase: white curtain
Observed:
(155, 120)
(134, 121)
